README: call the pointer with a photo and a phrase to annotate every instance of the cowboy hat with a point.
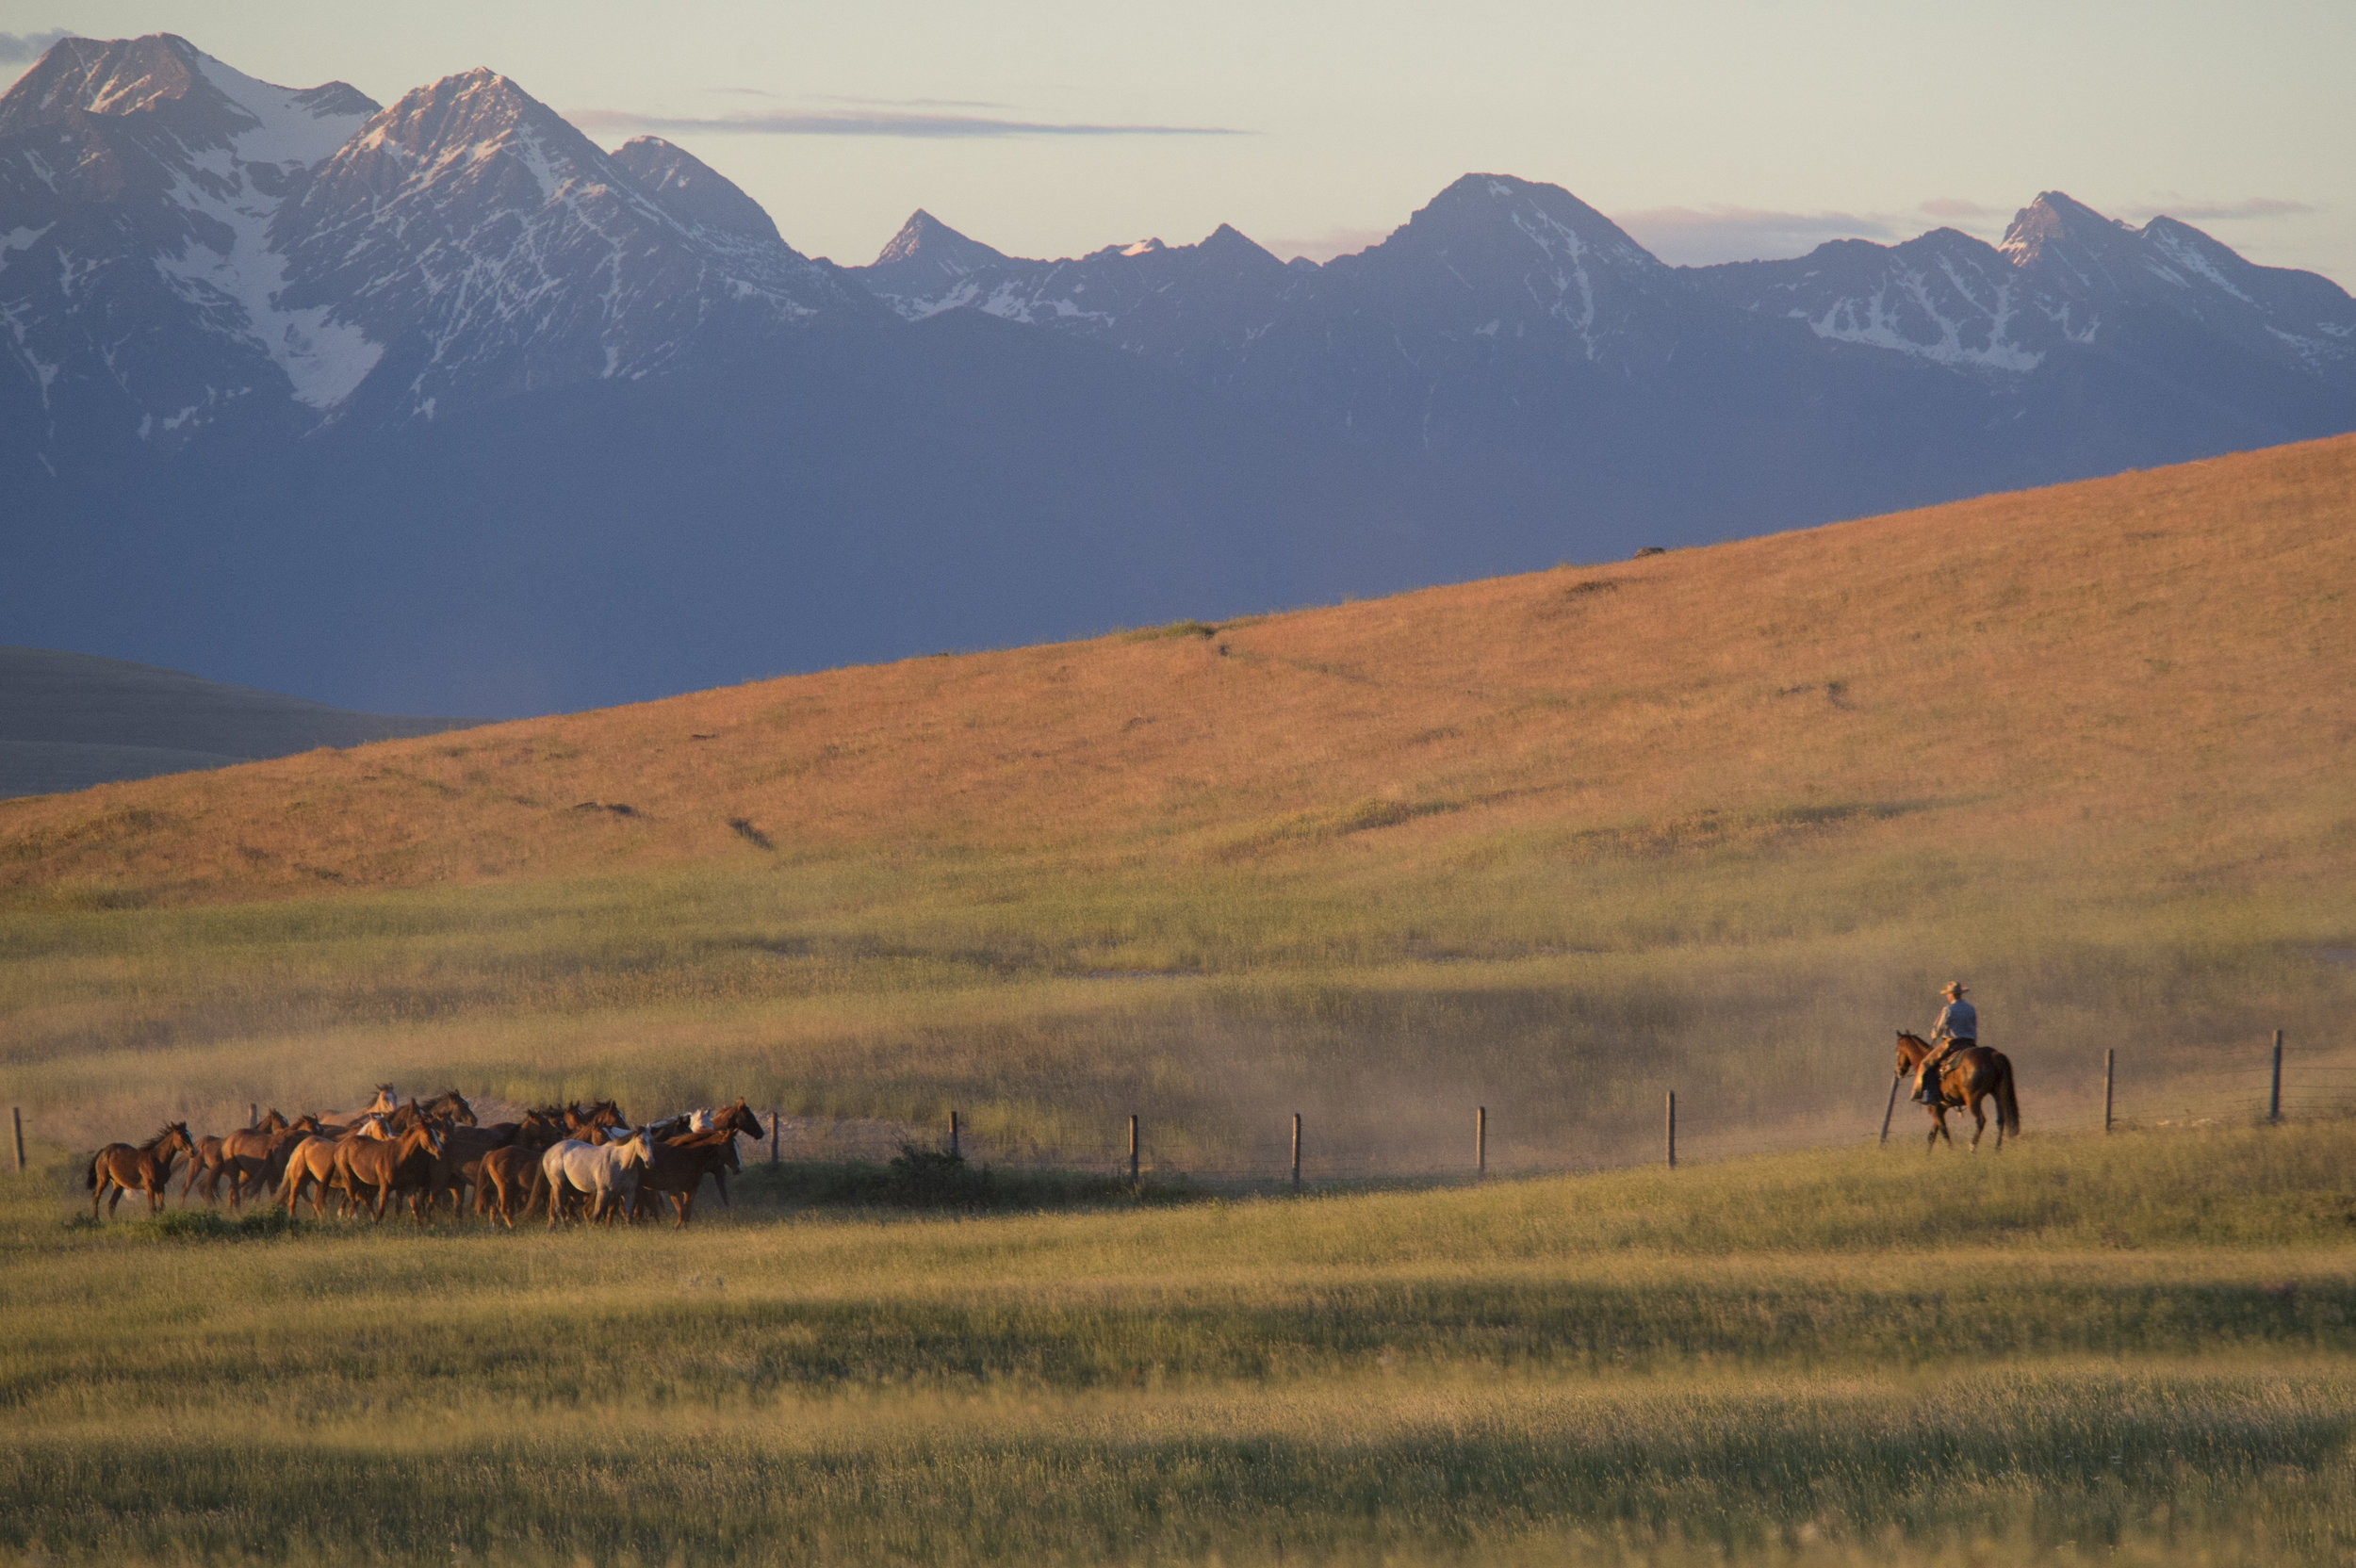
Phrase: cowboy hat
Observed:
(1955, 988)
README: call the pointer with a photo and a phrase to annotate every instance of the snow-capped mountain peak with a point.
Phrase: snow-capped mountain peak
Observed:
(692, 192)
(2064, 275)
(928, 239)
(260, 122)
(496, 249)
(139, 178)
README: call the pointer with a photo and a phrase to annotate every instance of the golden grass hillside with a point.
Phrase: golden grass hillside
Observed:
(1553, 842)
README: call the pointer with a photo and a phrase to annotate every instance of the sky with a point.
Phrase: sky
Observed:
(1712, 130)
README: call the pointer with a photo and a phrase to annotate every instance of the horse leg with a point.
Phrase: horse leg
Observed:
(1979, 1123)
(114, 1196)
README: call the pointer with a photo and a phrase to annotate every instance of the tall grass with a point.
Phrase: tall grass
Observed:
(2140, 1343)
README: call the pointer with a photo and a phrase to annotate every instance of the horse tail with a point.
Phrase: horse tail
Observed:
(2008, 1108)
(89, 1176)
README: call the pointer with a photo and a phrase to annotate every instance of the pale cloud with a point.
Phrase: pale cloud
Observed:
(2212, 212)
(1700, 236)
(921, 127)
(1956, 207)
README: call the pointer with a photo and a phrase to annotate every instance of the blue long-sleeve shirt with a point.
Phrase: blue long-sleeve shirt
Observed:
(1957, 1020)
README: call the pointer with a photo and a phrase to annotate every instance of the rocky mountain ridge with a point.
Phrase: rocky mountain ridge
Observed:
(439, 406)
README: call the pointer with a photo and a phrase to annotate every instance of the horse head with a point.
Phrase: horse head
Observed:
(639, 1148)
(1912, 1048)
(740, 1118)
(452, 1105)
(605, 1113)
(373, 1125)
(272, 1123)
(384, 1099)
(175, 1136)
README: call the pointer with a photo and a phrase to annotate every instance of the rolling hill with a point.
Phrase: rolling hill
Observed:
(1713, 819)
(69, 721)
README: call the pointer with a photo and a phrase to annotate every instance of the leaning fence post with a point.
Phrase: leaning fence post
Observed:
(1296, 1150)
(955, 1153)
(1480, 1144)
(1133, 1149)
(16, 1114)
(1673, 1129)
(2274, 1099)
(1892, 1109)
(2110, 1076)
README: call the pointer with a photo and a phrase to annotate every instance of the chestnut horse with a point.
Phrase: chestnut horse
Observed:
(393, 1167)
(119, 1168)
(677, 1166)
(317, 1158)
(211, 1160)
(508, 1181)
(1967, 1077)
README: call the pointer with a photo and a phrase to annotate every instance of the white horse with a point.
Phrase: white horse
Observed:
(592, 1169)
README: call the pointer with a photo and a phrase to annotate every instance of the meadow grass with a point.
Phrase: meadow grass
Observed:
(2138, 1344)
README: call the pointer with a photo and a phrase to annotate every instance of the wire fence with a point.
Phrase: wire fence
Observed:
(2115, 1090)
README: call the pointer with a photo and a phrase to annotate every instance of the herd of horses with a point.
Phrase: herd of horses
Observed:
(567, 1161)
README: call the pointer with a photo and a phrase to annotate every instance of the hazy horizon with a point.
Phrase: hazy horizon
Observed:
(1712, 130)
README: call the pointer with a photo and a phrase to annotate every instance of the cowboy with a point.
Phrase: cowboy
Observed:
(1958, 1029)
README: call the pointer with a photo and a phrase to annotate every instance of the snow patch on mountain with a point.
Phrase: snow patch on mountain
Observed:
(285, 128)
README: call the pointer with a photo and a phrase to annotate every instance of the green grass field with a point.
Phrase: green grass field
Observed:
(2135, 1348)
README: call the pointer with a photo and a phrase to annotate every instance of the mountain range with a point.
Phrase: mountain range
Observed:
(438, 406)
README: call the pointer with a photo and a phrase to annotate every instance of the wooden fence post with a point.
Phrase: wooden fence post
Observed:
(1296, 1150)
(2274, 1099)
(2110, 1077)
(253, 1113)
(1480, 1144)
(954, 1151)
(16, 1114)
(1133, 1149)
(775, 1116)
(1673, 1129)
(1892, 1109)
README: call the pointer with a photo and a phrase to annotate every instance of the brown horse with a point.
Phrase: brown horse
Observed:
(677, 1166)
(459, 1165)
(120, 1168)
(317, 1158)
(452, 1107)
(392, 1167)
(210, 1162)
(508, 1182)
(1966, 1078)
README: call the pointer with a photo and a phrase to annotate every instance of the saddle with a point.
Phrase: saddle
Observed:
(1948, 1051)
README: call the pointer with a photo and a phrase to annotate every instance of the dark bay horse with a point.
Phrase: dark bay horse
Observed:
(120, 1168)
(1968, 1077)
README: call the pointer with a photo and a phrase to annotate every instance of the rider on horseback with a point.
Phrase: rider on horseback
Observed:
(1958, 1027)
